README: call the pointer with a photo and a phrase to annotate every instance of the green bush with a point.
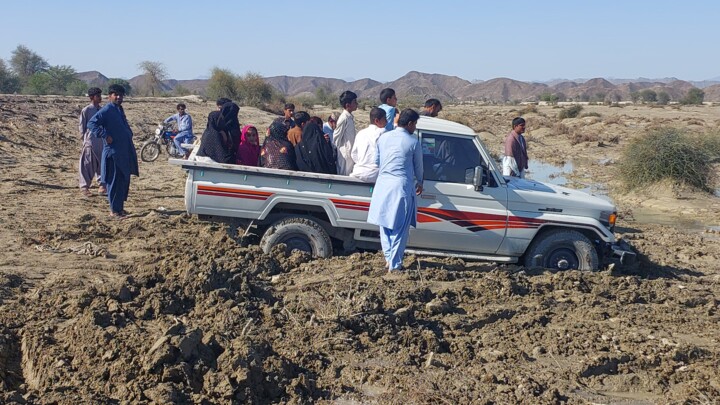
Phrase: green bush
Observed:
(222, 83)
(666, 153)
(570, 112)
(694, 96)
(126, 85)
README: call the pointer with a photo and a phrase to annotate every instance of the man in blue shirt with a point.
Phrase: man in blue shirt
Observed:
(393, 206)
(184, 128)
(119, 159)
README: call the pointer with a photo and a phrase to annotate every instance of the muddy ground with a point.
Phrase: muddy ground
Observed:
(163, 308)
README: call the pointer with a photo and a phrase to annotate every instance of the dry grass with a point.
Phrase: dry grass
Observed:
(561, 129)
(576, 137)
(613, 119)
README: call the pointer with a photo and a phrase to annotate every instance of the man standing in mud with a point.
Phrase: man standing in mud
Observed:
(393, 206)
(119, 159)
(515, 161)
(92, 147)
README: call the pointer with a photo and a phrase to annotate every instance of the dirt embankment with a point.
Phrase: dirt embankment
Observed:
(163, 308)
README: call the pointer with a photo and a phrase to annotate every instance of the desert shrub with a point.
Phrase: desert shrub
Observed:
(459, 118)
(325, 96)
(613, 119)
(222, 84)
(694, 121)
(693, 96)
(590, 114)
(530, 108)
(576, 137)
(666, 153)
(181, 90)
(253, 90)
(76, 88)
(710, 143)
(561, 129)
(570, 112)
(126, 85)
(648, 96)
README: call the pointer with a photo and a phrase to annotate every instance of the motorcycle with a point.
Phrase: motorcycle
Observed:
(164, 135)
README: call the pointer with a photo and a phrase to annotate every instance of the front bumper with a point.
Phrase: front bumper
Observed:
(622, 252)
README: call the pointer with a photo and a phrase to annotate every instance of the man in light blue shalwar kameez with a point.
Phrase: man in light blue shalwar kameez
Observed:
(393, 206)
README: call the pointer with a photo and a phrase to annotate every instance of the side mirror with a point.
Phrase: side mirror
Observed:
(479, 178)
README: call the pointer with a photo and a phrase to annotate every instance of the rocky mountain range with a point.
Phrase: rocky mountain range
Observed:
(418, 85)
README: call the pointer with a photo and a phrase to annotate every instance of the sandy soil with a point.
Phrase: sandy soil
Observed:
(162, 308)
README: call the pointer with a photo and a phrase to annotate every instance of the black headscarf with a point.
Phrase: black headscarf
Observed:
(277, 152)
(219, 139)
(313, 152)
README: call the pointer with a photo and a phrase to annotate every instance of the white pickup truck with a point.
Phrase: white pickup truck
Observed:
(467, 208)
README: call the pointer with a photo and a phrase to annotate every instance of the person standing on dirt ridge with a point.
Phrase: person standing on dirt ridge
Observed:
(184, 127)
(432, 108)
(344, 134)
(515, 162)
(119, 159)
(388, 100)
(92, 147)
(393, 206)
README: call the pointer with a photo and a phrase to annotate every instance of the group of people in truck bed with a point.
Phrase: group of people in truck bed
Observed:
(300, 142)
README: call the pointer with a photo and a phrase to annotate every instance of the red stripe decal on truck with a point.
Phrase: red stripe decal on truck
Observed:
(233, 192)
(472, 221)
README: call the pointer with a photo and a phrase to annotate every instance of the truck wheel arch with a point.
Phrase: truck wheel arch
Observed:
(561, 249)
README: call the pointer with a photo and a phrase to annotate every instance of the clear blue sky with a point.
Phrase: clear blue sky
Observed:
(382, 40)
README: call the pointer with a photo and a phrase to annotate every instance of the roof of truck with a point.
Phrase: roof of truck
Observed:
(440, 125)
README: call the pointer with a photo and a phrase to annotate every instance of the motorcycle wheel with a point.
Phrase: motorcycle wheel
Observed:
(149, 152)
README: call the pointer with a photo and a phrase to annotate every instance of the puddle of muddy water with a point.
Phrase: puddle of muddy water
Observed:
(557, 175)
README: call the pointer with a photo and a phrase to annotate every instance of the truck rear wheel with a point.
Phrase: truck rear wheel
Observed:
(562, 249)
(298, 233)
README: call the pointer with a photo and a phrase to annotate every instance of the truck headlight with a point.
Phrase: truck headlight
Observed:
(608, 219)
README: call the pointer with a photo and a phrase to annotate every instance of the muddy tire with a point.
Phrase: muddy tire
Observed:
(562, 249)
(149, 152)
(298, 233)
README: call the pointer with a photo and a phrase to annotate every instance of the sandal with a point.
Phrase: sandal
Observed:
(117, 215)
(85, 192)
(102, 190)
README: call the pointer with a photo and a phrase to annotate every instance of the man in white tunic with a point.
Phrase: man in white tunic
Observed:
(393, 206)
(364, 151)
(344, 134)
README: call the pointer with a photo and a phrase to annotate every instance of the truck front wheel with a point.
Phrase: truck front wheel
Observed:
(298, 233)
(562, 249)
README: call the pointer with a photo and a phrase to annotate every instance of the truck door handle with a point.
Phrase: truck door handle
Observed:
(428, 196)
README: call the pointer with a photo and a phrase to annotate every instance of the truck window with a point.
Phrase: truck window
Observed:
(449, 159)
